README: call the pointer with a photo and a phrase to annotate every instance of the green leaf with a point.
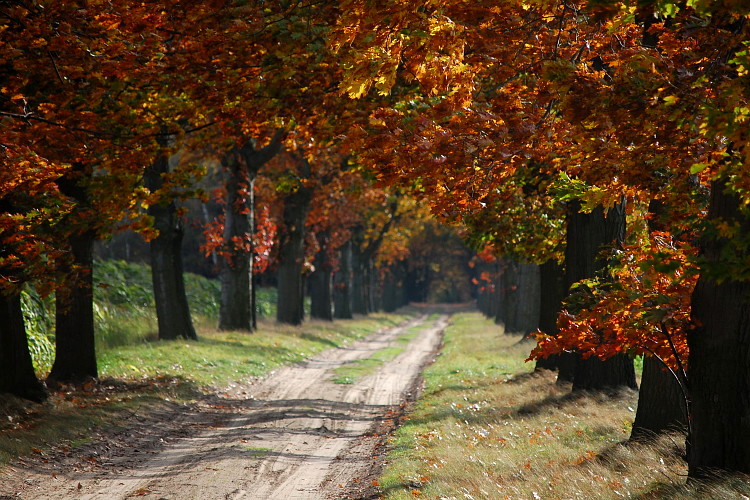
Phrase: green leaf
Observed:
(698, 167)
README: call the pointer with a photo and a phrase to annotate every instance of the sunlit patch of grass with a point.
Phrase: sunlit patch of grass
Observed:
(256, 451)
(486, 427)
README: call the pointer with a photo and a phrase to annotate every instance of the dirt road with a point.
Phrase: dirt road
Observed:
(292, 435)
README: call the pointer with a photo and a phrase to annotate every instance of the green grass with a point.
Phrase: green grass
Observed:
(486, 427)
(256, 451)
(39, 315)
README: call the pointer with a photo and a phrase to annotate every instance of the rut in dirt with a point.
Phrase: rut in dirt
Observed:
(292, 435)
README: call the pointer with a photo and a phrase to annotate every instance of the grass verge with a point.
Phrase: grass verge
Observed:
(486, 427)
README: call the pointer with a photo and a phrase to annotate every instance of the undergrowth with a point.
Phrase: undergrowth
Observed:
(486, 427)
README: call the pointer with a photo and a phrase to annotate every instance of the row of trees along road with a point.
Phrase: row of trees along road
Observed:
(606, 136)
(602, 140)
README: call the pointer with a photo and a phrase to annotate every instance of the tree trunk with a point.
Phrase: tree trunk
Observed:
(484, 288)
(17, 375)
(566, 367)
(321, 291)
(236, 309)
(494, 298)
(291, 285)
(343, 284)
(371, 285)
(502, 279)
(594, 374)
(75, 355)
(507, 286)
(359, 281)
(482, 301)
(321, 303)
(552, 292)
(172, 309)
(587, 236)
(394, 293)
(719, 368)
(527, 308)
(580, 256)
(661, 402)
(518, 310)
(237, 306)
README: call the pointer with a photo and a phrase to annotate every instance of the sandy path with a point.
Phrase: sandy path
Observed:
(292, 435)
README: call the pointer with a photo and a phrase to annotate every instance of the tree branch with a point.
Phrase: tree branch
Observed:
(97, 133)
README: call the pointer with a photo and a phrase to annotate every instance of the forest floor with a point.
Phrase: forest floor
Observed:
(295, 434)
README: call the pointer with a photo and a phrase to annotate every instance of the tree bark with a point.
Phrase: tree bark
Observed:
(359, 282)
(494, 297)
(291, 280)
(527, 305)
(75, 354)
(594, 374)
(483, 301)
(167, 274)
(507, 287)
(394, 293)
(566, 367)
(719, 368)
(237, 306)
(552, 292)
(321, 291)
(321, 303)
(483, 288)
(587, 235)
(236, 310)
(518, 300)
(343, 284)
(17, 376)
(371, 285)
(661, 402)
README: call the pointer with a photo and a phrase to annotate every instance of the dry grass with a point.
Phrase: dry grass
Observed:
(488, 428)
